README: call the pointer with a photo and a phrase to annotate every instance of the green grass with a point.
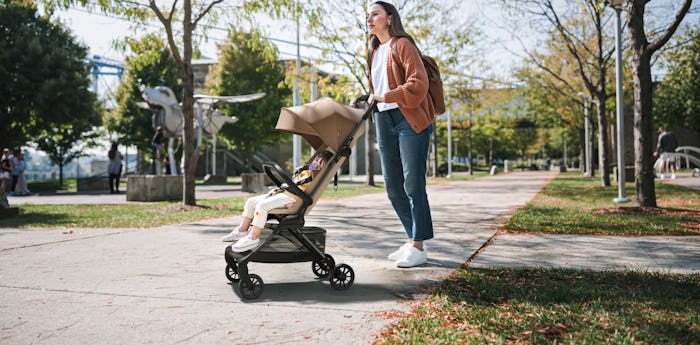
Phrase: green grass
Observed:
(52, 185)
(538, 306)
(146, 215)
(572, 204)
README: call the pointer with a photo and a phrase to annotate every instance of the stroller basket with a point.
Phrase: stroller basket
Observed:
(286, 247)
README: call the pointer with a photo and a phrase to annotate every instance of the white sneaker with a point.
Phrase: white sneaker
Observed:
(399, 253)
(244, 244)
(235, 235)
(662, 177)
(412, 257)
(673, 176)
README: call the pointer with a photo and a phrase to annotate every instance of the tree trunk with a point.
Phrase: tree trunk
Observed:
(603, 141)
(643, 142)
(191, 156)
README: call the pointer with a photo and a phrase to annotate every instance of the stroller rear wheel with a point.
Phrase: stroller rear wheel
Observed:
(232, 273)
(252, 289)
(342, 277)
(322, 268)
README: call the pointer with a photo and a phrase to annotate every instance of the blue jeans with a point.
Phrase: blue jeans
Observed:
(404, 163)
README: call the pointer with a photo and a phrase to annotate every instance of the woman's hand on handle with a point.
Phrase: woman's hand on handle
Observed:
(379, 99)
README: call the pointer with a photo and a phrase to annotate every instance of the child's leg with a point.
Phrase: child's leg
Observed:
(263, 208)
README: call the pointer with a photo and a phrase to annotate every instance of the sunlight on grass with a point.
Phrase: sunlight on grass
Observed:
(539, 306)
(572, 204)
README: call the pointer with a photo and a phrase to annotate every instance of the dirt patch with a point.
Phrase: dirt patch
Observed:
(184, 208)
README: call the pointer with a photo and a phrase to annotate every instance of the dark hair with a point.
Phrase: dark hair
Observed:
(395, 27)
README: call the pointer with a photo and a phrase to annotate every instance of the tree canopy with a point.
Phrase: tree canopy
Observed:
(151, 64)
(678, 94)
(248, 64)
(45, 83)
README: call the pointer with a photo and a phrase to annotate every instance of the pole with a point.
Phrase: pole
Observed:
(587, 141)
(296, 139)
(469, 142)
(620, 117)
(449, 144)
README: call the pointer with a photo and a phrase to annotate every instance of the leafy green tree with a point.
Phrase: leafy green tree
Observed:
(45, 84)
(65, 142)
(678, 94)
(151, 64)
(248, 64)
(192, 16)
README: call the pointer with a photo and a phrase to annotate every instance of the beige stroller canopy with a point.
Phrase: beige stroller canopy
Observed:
(321, 122)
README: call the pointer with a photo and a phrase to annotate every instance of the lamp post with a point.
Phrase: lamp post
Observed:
(621, 198)
(449, 144)
(586, 126)
(296, 139)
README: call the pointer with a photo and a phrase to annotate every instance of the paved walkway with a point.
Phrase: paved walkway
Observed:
(166, 285)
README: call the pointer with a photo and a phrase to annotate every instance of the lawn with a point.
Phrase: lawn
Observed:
(549, 306)
(572, 204)
(147, 215)
(538, 306)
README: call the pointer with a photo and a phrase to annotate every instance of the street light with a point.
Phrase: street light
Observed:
(586, 125)
(617, 6)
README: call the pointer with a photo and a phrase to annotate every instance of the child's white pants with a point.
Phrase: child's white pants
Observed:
(257, 207)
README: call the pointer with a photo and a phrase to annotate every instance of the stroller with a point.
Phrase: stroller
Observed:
(326, 125)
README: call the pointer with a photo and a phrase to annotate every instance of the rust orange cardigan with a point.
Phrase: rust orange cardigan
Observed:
(409, 89)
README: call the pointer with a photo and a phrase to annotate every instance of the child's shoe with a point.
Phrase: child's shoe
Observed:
(244, 244)
(235, 235)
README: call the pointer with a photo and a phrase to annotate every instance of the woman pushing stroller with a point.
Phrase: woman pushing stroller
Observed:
(257, 208)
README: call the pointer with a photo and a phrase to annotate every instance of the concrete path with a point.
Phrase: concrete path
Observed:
(167, 285)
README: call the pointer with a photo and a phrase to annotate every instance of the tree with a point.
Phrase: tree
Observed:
(151, 64)
(678, 94)
(191, 14)
(248, 64)
(45, 84)
(341, 31)
(642, 51)
(580, 30)
(60, 142)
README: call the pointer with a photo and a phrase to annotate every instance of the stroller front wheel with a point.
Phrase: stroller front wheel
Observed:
(252, 289)
(342, 277)
(232, 273)
(322, 268)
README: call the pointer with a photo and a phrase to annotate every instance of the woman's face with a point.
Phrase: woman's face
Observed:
(378, 20)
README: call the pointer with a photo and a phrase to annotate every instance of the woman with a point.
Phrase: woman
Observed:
(114, 168)
(404, 123)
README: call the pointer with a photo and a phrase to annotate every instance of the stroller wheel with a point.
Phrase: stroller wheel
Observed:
(232, 273)
(252, 289)
(322, 268)
(342, 277)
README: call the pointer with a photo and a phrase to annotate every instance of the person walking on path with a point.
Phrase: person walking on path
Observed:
(6, 172)
(114, 168)
(404, 122)
(21, 188)
(666, 147)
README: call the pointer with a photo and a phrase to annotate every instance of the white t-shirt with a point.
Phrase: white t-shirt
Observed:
(380, 81)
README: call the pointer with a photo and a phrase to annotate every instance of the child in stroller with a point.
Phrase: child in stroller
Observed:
(257, 208)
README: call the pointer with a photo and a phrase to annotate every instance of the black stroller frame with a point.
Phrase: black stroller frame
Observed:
(290, 227)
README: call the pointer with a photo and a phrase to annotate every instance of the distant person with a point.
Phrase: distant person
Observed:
(114, 168)
(21, 188)
(15, 164)
(157, 142)
(666, 147)
(6, 167)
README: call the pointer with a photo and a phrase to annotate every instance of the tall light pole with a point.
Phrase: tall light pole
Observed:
(449, 144)
(296, 139)
(586, 126)
(621, 198)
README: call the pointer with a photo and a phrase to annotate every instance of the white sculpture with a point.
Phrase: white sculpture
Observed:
(167, 113)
